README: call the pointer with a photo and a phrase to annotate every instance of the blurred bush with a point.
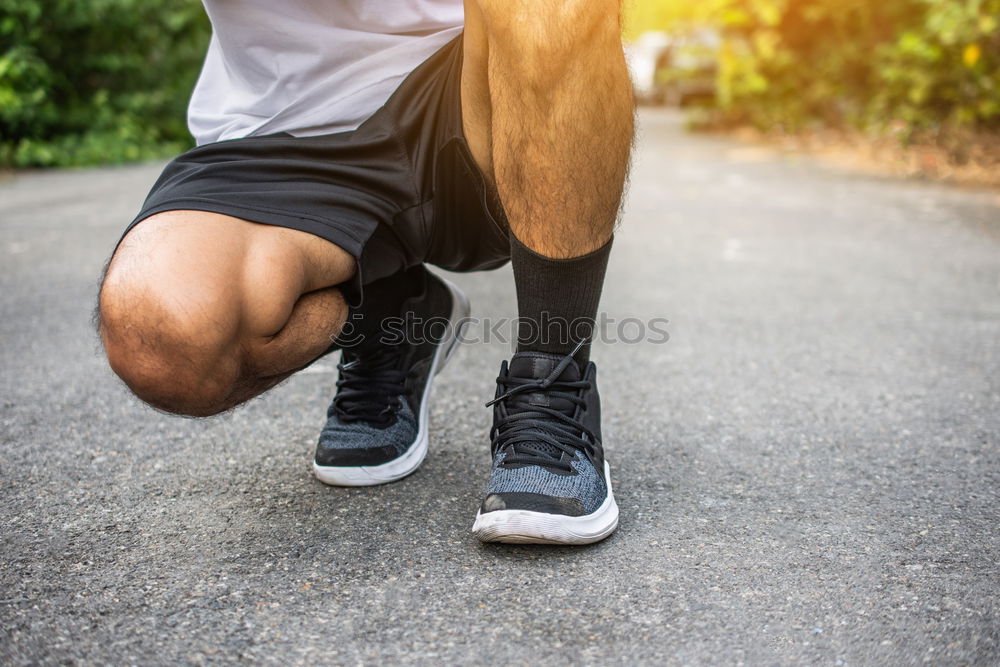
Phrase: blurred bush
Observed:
(944, 67)
(100, 81)
(905, 65)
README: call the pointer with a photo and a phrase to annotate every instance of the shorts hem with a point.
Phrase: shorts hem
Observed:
(330, 229)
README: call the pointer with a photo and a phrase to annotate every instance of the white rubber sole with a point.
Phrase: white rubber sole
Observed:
(525, 527)
(409, 462)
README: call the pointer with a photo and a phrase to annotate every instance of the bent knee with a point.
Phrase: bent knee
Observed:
(179, 356)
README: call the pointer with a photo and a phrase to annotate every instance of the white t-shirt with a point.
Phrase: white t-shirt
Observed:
(310, 66)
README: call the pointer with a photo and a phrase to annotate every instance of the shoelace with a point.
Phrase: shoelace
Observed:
(526, 429)
(370, 386)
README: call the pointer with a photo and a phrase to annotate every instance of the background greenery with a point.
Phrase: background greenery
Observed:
(913, 65)
(96, 81)
(108, 80)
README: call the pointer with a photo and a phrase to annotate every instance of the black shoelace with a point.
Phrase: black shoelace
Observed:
(370, 386)
(539, 435)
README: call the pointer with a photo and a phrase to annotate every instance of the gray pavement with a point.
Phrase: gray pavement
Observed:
(808, 470)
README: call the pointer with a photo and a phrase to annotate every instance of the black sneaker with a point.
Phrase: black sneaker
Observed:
(376, 429)
(550, 483)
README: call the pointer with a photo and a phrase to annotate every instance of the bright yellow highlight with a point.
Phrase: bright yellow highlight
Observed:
(971, 55)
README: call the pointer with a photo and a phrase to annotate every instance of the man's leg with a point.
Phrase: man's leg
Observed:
(548, 109)
(548, 112)
(200, 312)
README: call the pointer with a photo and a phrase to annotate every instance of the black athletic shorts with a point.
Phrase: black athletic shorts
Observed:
(400, 190)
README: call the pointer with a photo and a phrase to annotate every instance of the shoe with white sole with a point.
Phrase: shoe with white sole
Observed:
(376, 430)
(550, 483)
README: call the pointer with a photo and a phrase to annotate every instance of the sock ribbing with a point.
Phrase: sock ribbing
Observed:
(557, 299)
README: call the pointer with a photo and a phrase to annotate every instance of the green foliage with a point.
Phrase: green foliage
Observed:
(789, 62)
(97, 81)
(922, 64)
(944, 69)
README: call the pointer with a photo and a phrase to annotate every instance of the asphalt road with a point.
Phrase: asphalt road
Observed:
(808, 470)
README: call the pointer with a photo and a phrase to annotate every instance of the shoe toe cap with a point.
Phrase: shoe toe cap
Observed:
(359, 456)
(532, 502)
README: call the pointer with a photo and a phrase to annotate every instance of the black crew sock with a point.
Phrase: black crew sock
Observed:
(383, 299)
(557, 299)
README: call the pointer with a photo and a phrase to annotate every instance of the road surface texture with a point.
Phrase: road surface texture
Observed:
(808, 471)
